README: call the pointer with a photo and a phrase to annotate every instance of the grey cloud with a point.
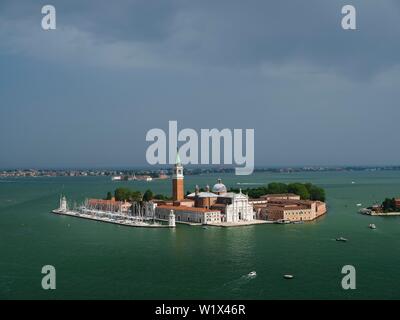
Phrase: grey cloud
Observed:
(218, 33)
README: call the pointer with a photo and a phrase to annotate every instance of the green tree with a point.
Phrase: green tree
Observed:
(316, 193)
(124, 194)
(299, 189)
(148, 195)
(277, 187)
(121, 194)
(135, 196)
(109, 195)
(161, 197)
(389, 205)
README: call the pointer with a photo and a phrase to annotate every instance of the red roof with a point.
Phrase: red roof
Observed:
(185, 208)
(105, 202)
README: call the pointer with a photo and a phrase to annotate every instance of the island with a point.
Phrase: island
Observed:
(389, 207)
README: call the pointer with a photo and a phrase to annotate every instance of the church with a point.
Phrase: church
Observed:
(213, 206)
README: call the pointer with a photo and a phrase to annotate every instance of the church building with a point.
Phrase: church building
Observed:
(212, 206)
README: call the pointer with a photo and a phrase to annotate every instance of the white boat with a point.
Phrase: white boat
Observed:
(252, 274)
(359, 204)
(372, 226)
(341, 239)
(282, 221)
(288, 276)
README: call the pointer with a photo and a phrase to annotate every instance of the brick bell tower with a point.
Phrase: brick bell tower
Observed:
(177, 180)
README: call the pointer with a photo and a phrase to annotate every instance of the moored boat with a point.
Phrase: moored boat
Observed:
(282, 221)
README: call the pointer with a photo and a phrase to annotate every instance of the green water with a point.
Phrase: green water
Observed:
(103, 261)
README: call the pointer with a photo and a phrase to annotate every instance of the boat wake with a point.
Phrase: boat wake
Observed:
(237, 284)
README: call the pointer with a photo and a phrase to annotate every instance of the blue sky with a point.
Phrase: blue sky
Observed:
(86, 94)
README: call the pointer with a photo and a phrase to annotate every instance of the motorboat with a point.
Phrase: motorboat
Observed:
(372, 226)
(341, 239)
(282, 221)
(288, 276)
(252, 274)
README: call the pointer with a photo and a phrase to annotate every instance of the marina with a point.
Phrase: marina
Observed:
(140, 218)
(122, 222)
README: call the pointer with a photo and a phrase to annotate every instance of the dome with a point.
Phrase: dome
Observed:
(219, 187)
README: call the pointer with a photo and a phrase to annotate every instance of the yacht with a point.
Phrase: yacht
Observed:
(282, 221)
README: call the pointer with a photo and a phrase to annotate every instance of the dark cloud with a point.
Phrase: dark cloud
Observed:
(234, 33)
(285, 68)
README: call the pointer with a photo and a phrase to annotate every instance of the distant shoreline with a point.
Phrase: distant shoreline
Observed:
(154, 172)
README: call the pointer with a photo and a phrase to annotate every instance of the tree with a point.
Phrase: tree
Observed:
(299, 189)
(161, 197)
(316, 193)
(148, 195)
(277, 187)
(121, 194)
(109, 195)
(124, 194)
(306, 191)
(135, 196)
(389, 205)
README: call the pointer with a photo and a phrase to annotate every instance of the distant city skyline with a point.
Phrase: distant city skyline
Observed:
(85, 95)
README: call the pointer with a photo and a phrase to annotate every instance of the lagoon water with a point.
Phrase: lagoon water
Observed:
(96, 260)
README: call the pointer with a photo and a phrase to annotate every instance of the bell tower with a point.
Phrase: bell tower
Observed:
(177, 180)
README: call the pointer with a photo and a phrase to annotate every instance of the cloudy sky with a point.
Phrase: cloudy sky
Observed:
(86, 94)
